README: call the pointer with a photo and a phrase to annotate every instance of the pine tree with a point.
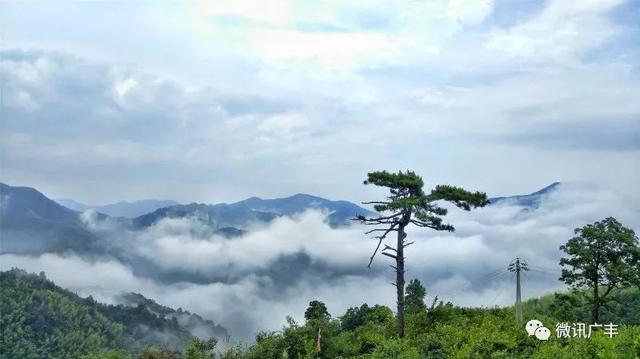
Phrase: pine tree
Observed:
(406, 205)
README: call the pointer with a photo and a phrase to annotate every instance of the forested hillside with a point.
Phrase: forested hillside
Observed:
(447, 331)
(42, 320)
(442, 331)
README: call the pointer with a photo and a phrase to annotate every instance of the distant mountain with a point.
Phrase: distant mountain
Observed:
(71, 204)
(217, 217)
(340, 211)
(120, 209)
(241, 214)
(40, 317)
(531, 200)
(30, 222)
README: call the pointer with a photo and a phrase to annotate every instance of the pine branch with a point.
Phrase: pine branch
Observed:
(378, 220)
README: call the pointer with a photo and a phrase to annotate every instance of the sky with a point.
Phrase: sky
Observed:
(218, 101)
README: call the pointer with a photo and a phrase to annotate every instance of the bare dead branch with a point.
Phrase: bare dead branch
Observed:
(380, 238)
(389, 255)
(378, 230)
(374, 252)
(389, 248)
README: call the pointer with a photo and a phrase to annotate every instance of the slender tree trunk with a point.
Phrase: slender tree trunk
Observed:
(595, 310)
(400, 280)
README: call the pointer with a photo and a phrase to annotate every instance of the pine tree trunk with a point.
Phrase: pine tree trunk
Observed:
(400, 280)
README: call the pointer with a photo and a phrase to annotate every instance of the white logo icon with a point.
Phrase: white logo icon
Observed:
(532, 325)
(535, 327)
(543, 333)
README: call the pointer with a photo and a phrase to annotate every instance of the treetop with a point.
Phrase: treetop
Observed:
(407, 194)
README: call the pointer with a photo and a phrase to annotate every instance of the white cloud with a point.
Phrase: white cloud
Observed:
(229, 98)
(124, 86)
(470, 11)
(454, 266)
(284, 127)
(336, 36)
(564, 29)
(275, 13)
(347, 125)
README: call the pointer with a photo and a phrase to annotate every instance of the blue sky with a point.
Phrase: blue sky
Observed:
(217, 101)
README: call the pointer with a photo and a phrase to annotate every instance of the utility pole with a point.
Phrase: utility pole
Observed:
(518, 266)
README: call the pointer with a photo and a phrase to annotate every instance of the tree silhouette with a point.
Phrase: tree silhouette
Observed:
(316, 311)
(602, 256)
(407, 205)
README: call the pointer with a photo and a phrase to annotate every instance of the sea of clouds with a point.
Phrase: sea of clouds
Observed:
(254, 281)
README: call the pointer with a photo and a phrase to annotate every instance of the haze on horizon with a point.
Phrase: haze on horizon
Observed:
(220, 101)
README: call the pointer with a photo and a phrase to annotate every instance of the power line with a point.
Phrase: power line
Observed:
(497, 275)
(499, 293)
(546, 268)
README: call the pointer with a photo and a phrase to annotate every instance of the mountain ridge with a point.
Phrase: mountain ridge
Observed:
(127, 209)
(531, 200)
(30, 222)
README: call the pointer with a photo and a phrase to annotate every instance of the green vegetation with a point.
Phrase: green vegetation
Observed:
(602, 257)
(443, 331)
(414, 299)
(39, 320)
(42, 320)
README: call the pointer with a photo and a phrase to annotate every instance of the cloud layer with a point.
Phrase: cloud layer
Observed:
(252, 282)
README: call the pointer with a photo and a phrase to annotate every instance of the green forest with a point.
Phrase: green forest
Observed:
(42, 320)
